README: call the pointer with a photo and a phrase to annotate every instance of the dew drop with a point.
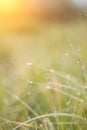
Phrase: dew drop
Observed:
(28, 63)
(60, 86)
(81, 100)
(41, 125)
(17, 98)
(50, 124)
(77, 62)
(29, 81)
(67, 54)
(48, 87)
(51, 71)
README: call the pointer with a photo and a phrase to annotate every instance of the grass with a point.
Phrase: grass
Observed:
(43, 78)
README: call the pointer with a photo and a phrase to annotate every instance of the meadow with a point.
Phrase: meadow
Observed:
(43, 77)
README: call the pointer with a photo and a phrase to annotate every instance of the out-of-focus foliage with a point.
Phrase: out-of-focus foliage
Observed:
(43, 71)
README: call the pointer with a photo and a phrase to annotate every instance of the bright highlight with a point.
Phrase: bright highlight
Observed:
(9, 6)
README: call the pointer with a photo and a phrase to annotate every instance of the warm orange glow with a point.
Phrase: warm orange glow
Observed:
(9, 6)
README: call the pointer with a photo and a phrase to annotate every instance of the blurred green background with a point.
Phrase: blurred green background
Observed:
(43, 71)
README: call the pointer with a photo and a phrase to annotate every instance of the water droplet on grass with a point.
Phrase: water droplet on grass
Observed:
(67, 54)
(61, 86)
(28, 63)
(41, 125)
(16, 97)
(82, 100)
(30, 81)
(48, 87)
(51, 71)
(77, 62)
(50, 124)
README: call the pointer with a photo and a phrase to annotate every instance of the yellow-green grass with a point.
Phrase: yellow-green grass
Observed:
(43, 77)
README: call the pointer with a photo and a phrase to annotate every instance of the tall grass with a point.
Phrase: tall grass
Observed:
(43, 82)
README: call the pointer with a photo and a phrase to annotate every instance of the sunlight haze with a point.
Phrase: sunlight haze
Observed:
(10, 6)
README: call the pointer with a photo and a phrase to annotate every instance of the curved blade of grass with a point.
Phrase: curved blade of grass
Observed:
(51, 115)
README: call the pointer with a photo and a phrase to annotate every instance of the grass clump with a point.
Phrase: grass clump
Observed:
(50, 92)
